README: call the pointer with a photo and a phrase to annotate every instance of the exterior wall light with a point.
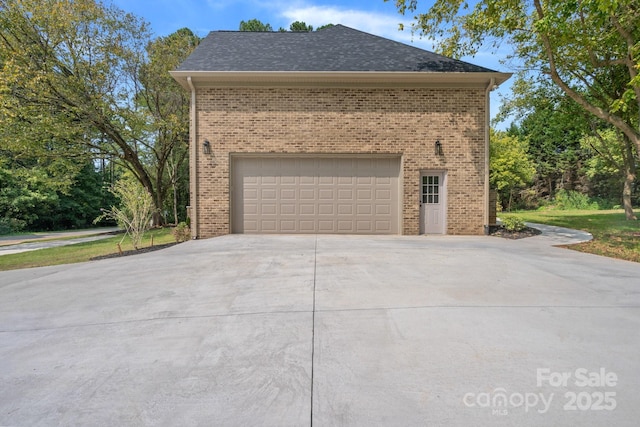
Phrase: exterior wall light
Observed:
(206, 147)
(438, 147)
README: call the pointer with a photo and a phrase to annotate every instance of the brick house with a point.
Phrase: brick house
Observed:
(335, 131)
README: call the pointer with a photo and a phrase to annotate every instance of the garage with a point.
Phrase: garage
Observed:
(311, 194)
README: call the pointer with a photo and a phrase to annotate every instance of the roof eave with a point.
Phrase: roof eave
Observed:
(339, 78)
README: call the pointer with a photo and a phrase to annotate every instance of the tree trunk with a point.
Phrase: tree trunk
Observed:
(629, 178)
(629, 168)
(175, 203)
(158, 219)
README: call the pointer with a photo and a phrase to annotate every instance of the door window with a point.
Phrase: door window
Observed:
(430, 186)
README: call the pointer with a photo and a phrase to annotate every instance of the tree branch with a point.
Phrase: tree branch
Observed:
(616, 121)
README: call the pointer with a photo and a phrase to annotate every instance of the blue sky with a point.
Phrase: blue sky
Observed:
(372, 16)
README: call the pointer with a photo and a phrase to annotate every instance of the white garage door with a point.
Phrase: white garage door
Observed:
(315, 195)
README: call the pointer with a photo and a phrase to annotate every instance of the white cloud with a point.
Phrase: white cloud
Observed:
(381, 24)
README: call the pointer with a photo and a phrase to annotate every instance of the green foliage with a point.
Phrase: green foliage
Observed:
(80, 78)
(167, 110)
(135, 211)
(255, 25)
(24, 193)
(553, 125)
(11, 225)
(578, 45)
(569, 200)
(78, 208)
(612, 166)
(322, 27)
(181, 232)
(513, 223)
(510, 165)
(295, 27)
(300, 26)
(46, 195)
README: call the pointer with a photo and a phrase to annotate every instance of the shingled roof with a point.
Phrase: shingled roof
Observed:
(333, 49)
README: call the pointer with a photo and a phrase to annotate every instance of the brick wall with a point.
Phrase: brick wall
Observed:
(342, 120)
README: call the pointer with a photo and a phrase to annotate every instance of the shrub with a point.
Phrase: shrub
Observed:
(11, 225)
(135, 211)
(567, 200)
(513, 223)
(181, 232)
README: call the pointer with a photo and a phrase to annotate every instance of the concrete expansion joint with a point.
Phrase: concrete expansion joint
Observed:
(313, 323)
(153, 319)
(511, 307)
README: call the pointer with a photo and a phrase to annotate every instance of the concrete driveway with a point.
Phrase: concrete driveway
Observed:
(325, 330)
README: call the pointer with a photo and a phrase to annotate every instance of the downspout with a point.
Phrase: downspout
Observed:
(193, 159)
(487, 135)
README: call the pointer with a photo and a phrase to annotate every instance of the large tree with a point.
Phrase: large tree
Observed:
(553, 125)
(612, 160)
(167, 106)
(76, 74)
(573, 43)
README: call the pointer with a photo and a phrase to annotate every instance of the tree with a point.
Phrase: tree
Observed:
(573, 43)
(71, 77)
(510, 166)
(300, 26)
(322, 27)
(297, 26)
(553, 126)
(255, 25)
(33, 195)
(556, 128)
(167, 105)
(613, 155)
(25, 192)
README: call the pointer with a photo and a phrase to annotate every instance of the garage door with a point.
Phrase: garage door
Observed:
(315, 195)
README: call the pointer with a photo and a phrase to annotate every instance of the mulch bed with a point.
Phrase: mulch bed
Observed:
(134, 251)
(500, 231)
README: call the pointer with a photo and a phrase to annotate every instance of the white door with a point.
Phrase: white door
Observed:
(433, 203)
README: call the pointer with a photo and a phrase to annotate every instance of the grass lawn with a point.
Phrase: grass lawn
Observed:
(79, 252)
(613, 235)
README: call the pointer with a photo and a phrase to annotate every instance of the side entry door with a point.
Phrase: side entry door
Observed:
(433, 203)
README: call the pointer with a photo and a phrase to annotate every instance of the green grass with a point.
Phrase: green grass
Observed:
(79, 252)
(613, 235)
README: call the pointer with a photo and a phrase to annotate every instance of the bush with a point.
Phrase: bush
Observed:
(181, 232)
(135, 211)
(11, 225)
(567, 200)
(513, 223)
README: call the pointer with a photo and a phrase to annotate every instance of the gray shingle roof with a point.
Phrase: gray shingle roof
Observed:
(337, 48)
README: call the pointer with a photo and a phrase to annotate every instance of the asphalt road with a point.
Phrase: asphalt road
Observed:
(30, 242)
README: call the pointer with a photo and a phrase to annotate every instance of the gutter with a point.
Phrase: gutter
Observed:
(339, 78)
(193, 159)
(487, 136)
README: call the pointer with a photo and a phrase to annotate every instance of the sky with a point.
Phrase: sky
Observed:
(372, 16)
